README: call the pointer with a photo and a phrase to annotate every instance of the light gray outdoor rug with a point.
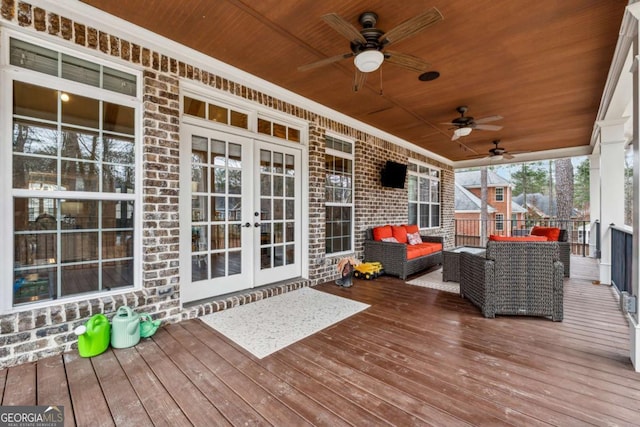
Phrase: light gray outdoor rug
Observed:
(266, 326)
(433, 280)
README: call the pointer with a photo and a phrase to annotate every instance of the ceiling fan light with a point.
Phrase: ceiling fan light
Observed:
(464, 131)
(369, 60)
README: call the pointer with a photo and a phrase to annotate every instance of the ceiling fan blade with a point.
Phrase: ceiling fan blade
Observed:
(411, 26)
(359, 79)
(507, 156)
(487, 127)
(325, 61)
(343, 27)
(489, 119)
(405, 60)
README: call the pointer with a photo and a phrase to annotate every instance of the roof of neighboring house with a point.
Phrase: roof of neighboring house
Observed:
(516, 208)
(466, 201)
(471, 179)
(538, 202)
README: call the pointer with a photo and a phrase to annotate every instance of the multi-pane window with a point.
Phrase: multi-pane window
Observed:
(73, 176)
(339, 195)
(424, 195)
(499, 194)
(499, 222)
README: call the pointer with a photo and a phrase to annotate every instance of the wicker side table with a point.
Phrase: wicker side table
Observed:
(451, 261)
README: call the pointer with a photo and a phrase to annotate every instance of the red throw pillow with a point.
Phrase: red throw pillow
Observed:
(551, 233)
(400, 233)
(413, 228)
(382, 232)
(497, 238)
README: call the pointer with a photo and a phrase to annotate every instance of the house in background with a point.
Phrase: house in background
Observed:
(503, 215)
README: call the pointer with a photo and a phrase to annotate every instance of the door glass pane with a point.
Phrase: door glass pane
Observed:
(265, 209)
(218, 208)
(265, 161)
(218, 265)
(278, 186)
(265, 185)
(219, 179)
(235, 181)
(218, 153)
(235, 231)
(265, 258)
(199, 209)
(290, 187)
(218, 237)
(290, 209)
(278, 256)
(278, 165)
(235, 209)
(235, 262)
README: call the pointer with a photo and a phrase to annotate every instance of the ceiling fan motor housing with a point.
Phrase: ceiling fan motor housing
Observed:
(369, 32)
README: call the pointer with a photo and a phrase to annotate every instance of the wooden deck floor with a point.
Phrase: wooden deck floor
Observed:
(417, 356)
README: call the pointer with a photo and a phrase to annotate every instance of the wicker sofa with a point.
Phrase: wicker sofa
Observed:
(399, 259)
(515, 278)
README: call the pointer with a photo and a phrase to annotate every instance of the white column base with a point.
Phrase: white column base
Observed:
(605, 273)
(634, 342)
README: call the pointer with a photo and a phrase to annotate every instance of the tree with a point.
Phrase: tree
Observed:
(581, 186)
(564, 188)
(529, 178)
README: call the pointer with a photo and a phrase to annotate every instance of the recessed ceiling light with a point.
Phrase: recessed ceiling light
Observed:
(64, 97)
(428, 76)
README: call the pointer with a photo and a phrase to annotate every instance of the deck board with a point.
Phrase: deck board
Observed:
(417, 356)
(53, 389)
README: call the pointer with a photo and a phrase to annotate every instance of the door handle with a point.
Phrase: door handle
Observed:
(257, 224)
(247, 224)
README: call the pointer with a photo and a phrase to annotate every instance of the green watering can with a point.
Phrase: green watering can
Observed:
(125, 328)
(148, 326)
(93, 336)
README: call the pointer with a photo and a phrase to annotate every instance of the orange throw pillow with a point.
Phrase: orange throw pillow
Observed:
(551, 233)
(382, 232)
(497, 238)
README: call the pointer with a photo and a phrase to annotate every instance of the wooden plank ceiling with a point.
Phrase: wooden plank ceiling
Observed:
(542, 65)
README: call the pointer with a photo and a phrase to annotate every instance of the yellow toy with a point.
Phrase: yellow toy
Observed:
(368, 270)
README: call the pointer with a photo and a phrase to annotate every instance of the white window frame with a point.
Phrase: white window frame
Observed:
(499, 222)
(8, 75)
(430, 178)
(350, 157)
(501, 193)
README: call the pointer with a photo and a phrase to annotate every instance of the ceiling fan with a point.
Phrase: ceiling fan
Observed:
(369, 44)
(500, 152)
(465, 124)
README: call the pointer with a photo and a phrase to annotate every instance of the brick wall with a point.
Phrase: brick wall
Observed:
(34, 333)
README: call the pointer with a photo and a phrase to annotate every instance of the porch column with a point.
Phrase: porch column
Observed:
(612, 144)
(634, 324)
(594, 201)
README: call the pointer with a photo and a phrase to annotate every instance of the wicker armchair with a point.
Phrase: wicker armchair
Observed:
(515, 278)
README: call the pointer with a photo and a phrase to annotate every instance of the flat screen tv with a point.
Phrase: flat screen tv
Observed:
(393, 174)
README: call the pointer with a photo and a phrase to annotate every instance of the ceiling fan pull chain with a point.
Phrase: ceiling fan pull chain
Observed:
(381, 81)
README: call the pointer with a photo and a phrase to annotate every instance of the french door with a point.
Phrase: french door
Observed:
(244, 225)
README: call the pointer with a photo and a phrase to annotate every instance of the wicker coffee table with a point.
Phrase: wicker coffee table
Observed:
(451, 261)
